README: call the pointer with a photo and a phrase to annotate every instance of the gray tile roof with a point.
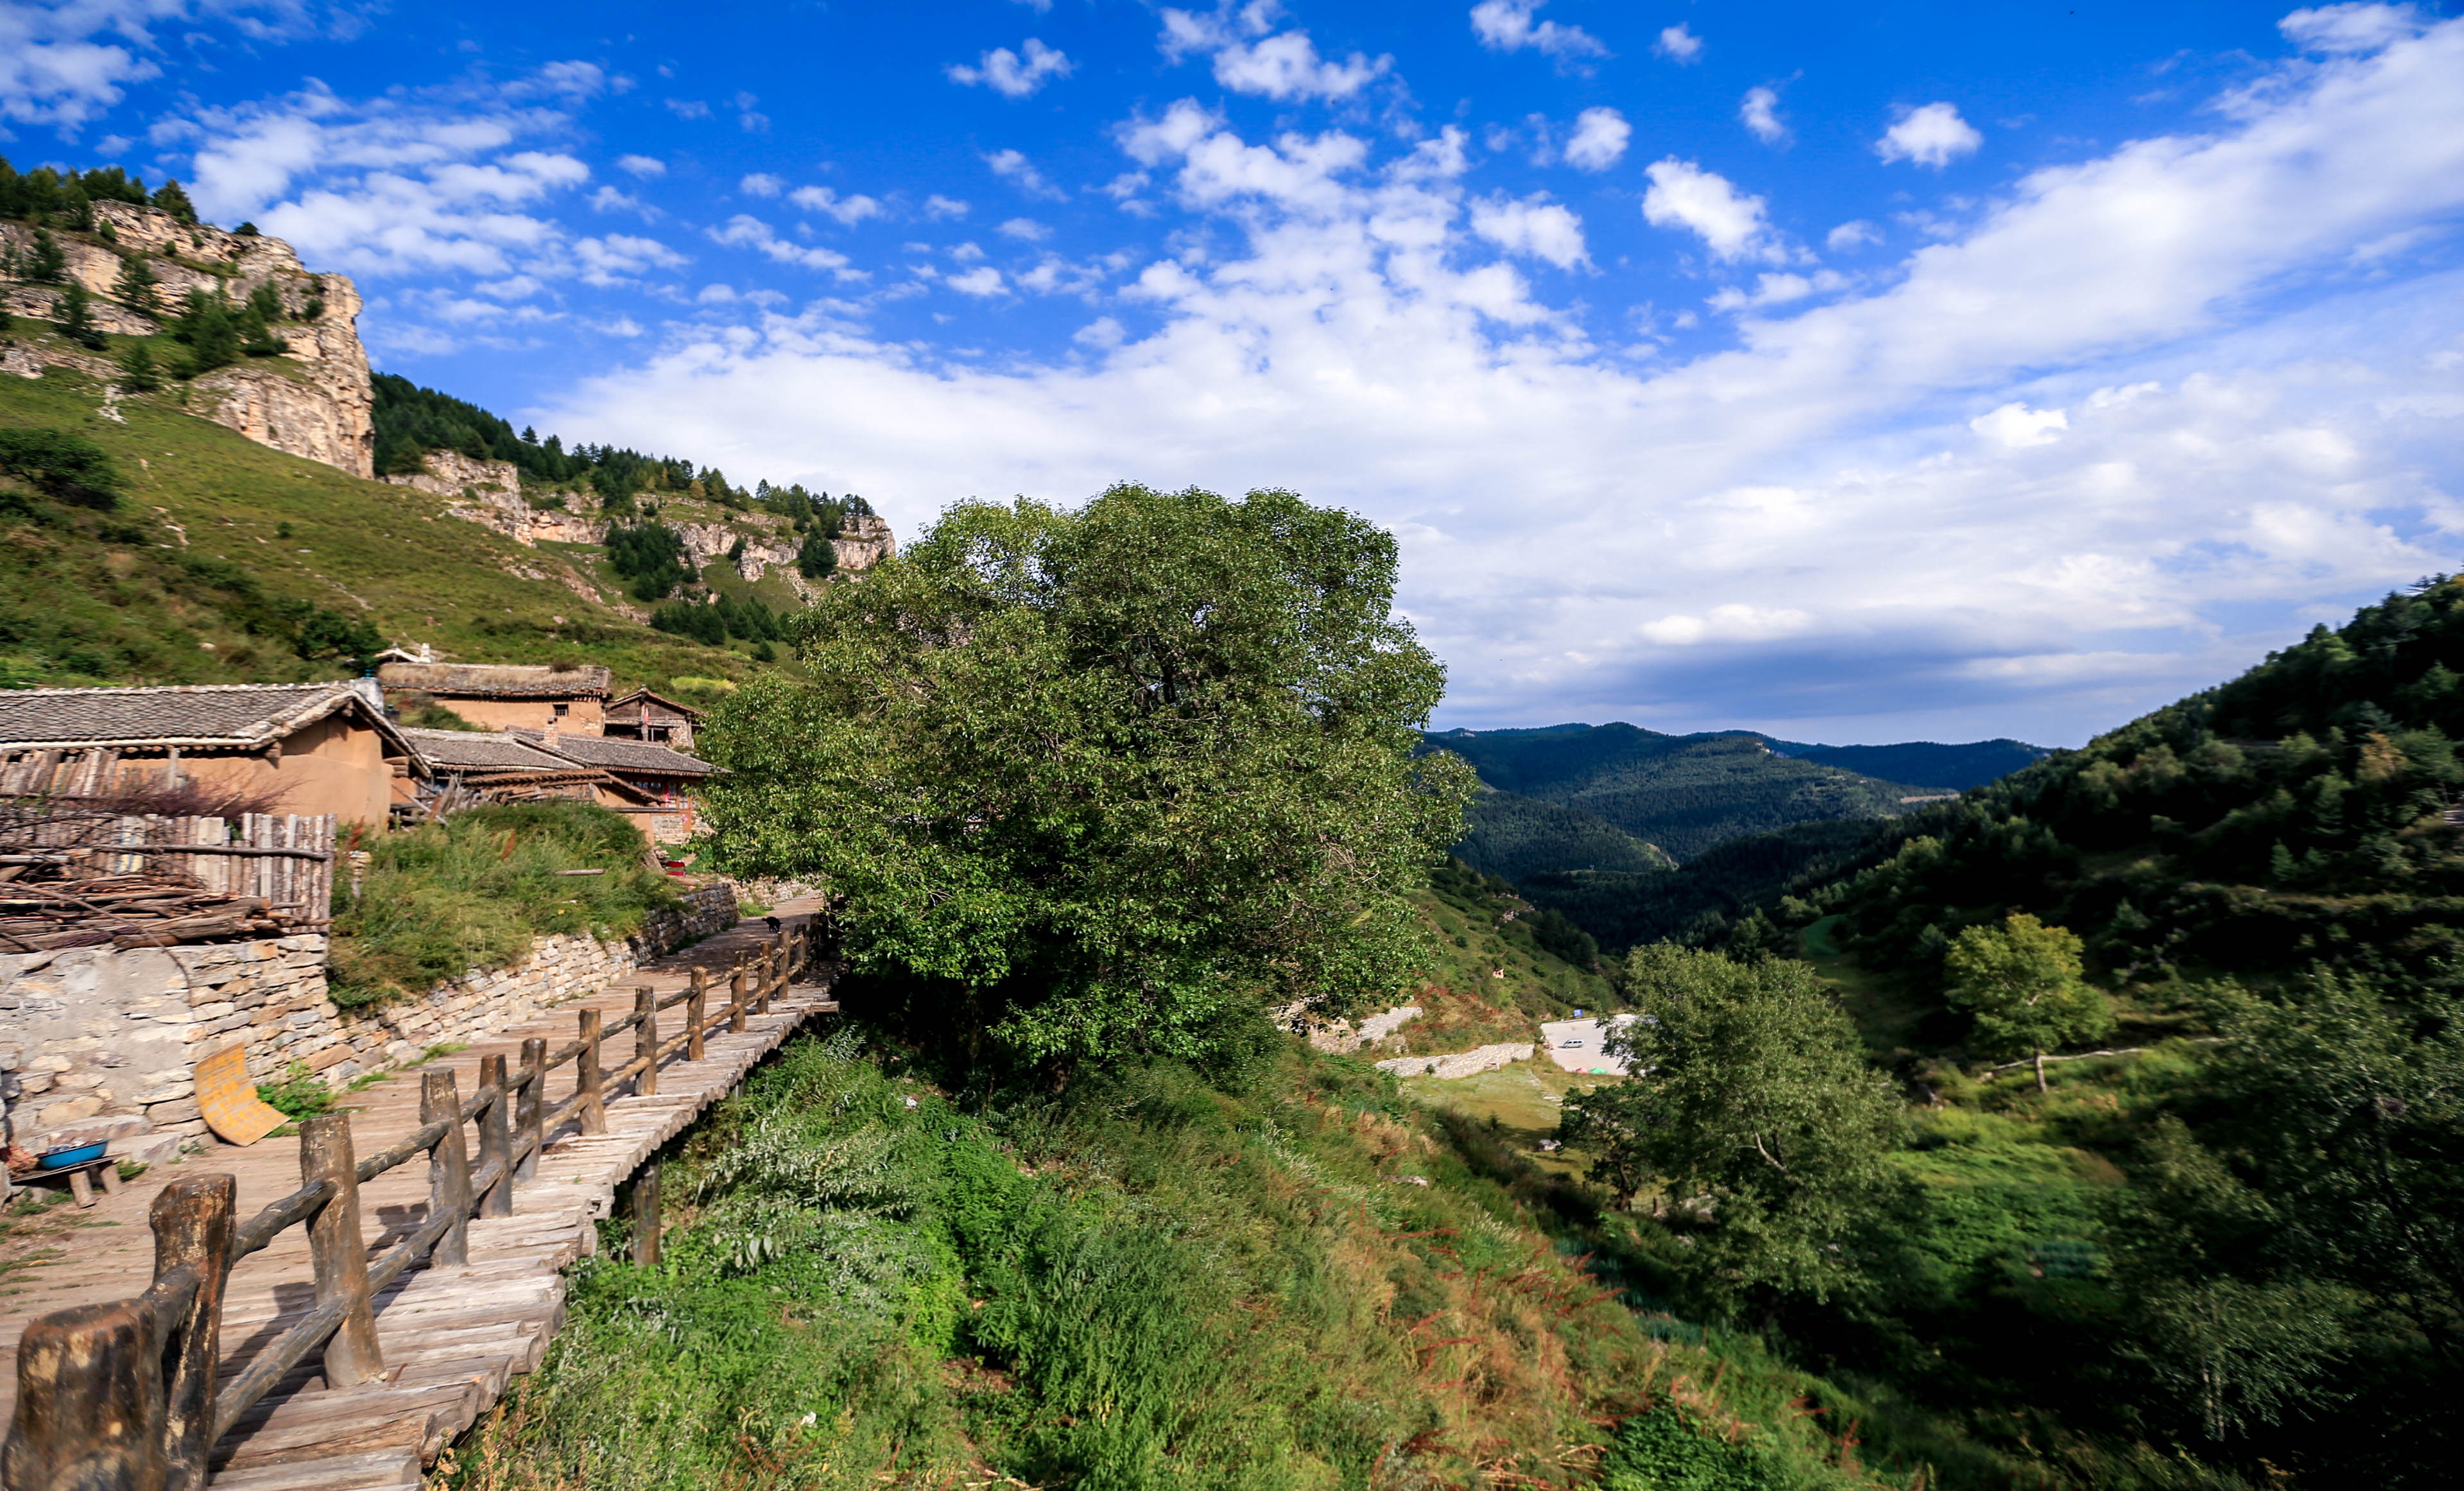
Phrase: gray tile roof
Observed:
(497, 680)
(628, 756)
(468, 749)
(241, 715)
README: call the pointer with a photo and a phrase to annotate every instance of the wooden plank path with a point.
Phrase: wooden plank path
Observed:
(452, 1337)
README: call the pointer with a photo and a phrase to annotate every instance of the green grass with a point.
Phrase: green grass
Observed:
(473, 892)
(123, 598)
(1143, 1283)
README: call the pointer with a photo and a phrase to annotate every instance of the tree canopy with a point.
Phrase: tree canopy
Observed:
(1115, 778)
(2021, 982)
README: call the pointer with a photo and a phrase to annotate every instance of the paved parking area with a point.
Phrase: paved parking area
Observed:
(1574, 1044)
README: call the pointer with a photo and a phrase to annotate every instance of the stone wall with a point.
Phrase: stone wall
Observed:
(96, 1043)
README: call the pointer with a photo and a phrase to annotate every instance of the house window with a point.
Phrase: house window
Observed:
(560, 709)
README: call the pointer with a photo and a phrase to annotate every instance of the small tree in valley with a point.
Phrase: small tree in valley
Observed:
(2021, 982)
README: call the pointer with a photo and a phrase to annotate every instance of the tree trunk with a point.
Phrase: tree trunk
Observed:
(2041, 1085)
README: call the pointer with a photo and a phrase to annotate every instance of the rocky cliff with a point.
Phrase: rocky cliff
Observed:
(313, 401)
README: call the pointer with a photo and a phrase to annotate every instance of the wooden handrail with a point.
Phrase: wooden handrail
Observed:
(124, 1393)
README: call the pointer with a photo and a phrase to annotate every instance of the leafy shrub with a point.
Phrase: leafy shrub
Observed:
(299, 1093)
(64, 467)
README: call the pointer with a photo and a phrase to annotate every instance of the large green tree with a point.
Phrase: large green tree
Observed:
(2021, 982)
(1112, 779)
(1751, 1114)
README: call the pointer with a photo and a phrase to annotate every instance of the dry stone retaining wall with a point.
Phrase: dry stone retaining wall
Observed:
(98, 1044)
(1460, 1063)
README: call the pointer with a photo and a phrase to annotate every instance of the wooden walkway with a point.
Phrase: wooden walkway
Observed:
(452, 1337)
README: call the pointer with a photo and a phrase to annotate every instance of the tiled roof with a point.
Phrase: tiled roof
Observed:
(495, 680)
(628, 756)
(471, 749)
(645, 698)
(241, 715)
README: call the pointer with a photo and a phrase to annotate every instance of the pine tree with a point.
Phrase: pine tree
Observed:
(74, 313)
(47, 264)
(137, 287)
(137, 372)
(213, 335)
(255, 337)
(172, 200)
(267, 301)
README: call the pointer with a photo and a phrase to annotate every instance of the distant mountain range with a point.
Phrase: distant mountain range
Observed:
(1614, 797)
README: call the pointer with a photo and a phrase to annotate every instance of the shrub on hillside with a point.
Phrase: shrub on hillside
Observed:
(64, 467)
(473, 891)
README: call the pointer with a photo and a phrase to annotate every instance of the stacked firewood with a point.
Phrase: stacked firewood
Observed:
(146, 909)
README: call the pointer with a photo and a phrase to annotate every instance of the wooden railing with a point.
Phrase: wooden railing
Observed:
(124, 1394)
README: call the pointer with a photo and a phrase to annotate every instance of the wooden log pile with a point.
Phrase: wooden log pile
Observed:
(146, 909)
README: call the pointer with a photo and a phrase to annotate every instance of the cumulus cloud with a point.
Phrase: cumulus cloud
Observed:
(1599, 139)
(617, 258)
(847, 212)
(2223, 450)
(744, 230)
(1732, 225)
(1678, 44)
(66, 62)
(1026, 229)
(648, 168)
(1014, 166)
(1851, 236)
(760, 184)
(1760, 112)
(2352, 28)
(980, 282)
(1534, 226)
(1250, 56)
(1506, 26)
(1013, 76)
(937, 207)
(1934, 135)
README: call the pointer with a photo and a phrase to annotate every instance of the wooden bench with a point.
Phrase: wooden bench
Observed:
(80, 1182)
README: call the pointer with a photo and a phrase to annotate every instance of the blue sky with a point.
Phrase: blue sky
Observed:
(1858, 372)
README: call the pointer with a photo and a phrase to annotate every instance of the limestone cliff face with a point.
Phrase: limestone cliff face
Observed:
(316, 402)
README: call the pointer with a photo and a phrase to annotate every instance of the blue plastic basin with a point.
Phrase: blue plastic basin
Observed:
(62, 1159)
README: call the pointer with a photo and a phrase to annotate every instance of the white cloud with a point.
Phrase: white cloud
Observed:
(1026, 229)
(1730, 623)
(617, 259)
(1007, 73)
(939, 207)
(980, 282)
(1288, 66)
(1534, 226)
(1760, 112)
(1013, 166)
(2352, 28)
(744, 230)
(1599, 139)
(1322, 326)
(608, 199)
(1506, 26)
(688, 108)
(848, 211)
(2015, 426)
(1101, 332)
(1780, 289)
(1684, 195)
(760, 184)
(1934, 135)
(66, 62)
(1851, 236)
(1678, 44)
(642, 165)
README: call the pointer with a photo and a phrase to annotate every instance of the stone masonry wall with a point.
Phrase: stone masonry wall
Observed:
(96, 1043)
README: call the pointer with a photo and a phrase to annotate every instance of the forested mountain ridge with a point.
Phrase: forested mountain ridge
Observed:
(1515, 836)
(2302, 812)
(1681, 793)
(1923, 764)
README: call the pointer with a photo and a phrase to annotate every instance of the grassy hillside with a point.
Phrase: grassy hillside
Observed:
(1683, 793)
(227, 561)
(1514, 836)
(1701, 900)
(1290, 1279)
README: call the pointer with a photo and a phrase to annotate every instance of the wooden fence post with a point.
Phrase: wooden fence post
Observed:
(762, 979)
(586, 1077)
(646, 1040)
(449, 1166)
(340, 1254)
(646, 1216)
(192, 1232)
(89, 1402)
(496, 1138)
(735, 996)
(530, 1128)
(697, 1010)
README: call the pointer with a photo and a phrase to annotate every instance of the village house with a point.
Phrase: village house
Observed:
(646, 716)
(302, 748)
(570, 697)
(669, 782)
